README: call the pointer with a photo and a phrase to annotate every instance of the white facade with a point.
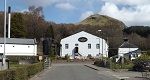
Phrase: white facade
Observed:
(19, 47)
(19, 50)
(128, 51)
(91, 45)
(123, 51)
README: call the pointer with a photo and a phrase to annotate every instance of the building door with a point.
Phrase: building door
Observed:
(76, 49)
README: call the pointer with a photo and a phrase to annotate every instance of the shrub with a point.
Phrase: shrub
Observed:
(142, 63)
(108, 63)
(99, 63)
(33, 69)
(89, 56)
(67, 57)
(21, 72)
(6, 75)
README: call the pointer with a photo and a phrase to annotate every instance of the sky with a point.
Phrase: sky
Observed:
(131, 12)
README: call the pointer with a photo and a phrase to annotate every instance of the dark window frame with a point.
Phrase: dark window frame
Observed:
(97, 46)
(89, 46)
(66, 46)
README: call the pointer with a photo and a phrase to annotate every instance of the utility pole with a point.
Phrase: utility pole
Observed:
(4, 54)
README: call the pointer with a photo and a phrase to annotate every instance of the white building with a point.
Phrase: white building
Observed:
(128, 51)
(83, 44)
(18, 47)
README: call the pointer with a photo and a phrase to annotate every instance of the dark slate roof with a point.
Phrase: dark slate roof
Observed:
(18, 41)
(128, 45)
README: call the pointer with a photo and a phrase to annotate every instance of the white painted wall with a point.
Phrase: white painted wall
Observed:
(83, 46)
(19, 50)
(122, 51)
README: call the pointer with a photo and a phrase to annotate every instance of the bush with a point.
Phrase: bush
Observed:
(142, 63)
(67, 57)
(99, 63)
(22, 72)
(33, 69)
(108, 63)
(6, 75)
(89, 56)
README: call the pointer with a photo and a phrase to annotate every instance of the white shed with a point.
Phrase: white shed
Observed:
(18, 47)
(83, 44)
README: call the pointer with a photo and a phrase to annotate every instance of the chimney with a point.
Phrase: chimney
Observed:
(125, 39)
(9, 21)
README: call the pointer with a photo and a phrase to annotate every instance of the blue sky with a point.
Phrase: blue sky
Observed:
(131, 12)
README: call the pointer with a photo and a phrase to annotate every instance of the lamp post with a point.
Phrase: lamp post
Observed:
(102, 43)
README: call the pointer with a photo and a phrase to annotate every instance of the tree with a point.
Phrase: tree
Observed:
(17, 26)
(35, 24)
(49, 32)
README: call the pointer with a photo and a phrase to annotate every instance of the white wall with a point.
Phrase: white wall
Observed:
(19, 50)
(83, 46)
(122, 51)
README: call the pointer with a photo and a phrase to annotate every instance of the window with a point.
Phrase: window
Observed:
(0, 45)
(76, 44)
(134, 55)
(97, 46)
(89, 46)
(66, 46)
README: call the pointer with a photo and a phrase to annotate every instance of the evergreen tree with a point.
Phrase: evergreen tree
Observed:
(17, 26)
(49, 32)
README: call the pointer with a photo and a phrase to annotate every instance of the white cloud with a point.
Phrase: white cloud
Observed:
(86, 14)
(65, 6)
(24, 10)
(129, 2)
(42, 3)
(138, 16)
(131, 12)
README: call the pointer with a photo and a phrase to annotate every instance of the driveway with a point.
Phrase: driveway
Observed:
(71, 71)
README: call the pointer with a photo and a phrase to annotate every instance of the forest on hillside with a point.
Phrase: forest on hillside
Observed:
(32, 24)
(139, 35)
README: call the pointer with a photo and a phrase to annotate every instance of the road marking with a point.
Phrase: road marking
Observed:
(120, 77)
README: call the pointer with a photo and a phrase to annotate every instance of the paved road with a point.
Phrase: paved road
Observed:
(71, 72)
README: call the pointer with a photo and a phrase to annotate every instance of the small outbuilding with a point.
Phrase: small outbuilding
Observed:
(128, 51)
(83, 44)
(18, 47)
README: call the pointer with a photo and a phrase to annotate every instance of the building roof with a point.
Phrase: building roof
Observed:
(18, 41)
(128, 45)
(82, 33)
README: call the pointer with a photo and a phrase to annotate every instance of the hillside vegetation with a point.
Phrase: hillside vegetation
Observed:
(103, 20)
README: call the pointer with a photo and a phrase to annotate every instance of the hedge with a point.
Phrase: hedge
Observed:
(21, 73)
(107, 63)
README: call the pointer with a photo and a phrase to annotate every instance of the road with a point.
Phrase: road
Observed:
(71, 72)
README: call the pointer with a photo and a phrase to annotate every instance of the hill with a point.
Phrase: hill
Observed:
(103, 20)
